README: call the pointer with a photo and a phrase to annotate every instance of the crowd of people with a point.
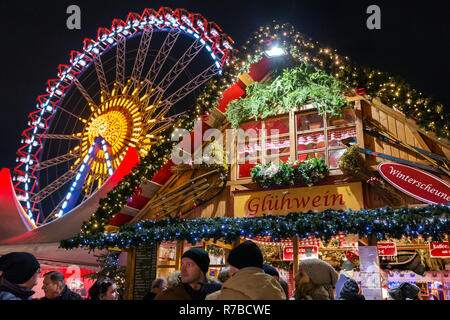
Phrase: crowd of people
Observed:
(246, 278)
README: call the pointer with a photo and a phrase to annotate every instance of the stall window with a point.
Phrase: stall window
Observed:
(167, 253)
(265, 142)
(324, 137)
(316, 137)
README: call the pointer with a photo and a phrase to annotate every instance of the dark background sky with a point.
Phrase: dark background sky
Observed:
(413, 41)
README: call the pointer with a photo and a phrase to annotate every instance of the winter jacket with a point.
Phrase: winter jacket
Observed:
(340, 284)
(351, 296)
(249, 284)
(320, 294)
(66, 294)
(12, 291)
(185, 292)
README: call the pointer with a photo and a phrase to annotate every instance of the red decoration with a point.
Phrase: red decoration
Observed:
(360, 91)
(205, 117)
(194, 205)
(373, 180)
(295, 165)
(137, 191)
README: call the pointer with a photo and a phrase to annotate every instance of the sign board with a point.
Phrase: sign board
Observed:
(145, 270)
(416, 183)
(248, 203)
(386, 249)
(439, 250)
(303, 252)
(370, 272)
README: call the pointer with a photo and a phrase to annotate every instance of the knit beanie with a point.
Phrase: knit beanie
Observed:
(270, 270)
(18, 267)
(319, 271)
(200, 257)
(247, 254)
(347, 266)
(350, 286)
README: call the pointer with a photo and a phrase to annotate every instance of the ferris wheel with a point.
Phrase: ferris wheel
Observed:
(123, 90)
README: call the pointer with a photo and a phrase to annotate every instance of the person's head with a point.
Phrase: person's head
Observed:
(159, 285)
(271, 271)
(285, 286)
(53, 284)
(405, 291)
(245, 255)
(224, 275)
(103, 289)
(21, 268)
(351, 286)
(313, 273)
(348, 267)
(194, 266)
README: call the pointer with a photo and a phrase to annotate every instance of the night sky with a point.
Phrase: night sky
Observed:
(413, 41)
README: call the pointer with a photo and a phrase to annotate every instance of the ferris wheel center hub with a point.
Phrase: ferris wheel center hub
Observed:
(112, 126)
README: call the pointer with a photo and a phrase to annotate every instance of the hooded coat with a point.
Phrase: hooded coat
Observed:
(249, 283)
(12, 291)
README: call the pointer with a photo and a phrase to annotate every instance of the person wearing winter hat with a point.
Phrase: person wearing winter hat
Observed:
(351, 291)
(247, 279)
(315, 280)
(194, 283)
(345, 274)
(20, 272)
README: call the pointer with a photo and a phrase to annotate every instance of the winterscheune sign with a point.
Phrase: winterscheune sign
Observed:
(416, 183)
(256, 203)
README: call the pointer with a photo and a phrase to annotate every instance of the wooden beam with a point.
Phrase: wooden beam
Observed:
(129, 274)
(418, 137)
(295, 262)
(359, 126)
(179, 253)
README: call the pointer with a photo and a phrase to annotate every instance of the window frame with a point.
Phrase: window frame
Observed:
(293, 134)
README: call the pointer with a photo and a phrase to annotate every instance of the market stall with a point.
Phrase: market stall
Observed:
(328, 166)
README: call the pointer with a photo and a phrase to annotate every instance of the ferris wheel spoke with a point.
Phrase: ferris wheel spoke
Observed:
(175, 72)
(101, 75)
(54, 212)
(55, 161)
(120, 63)
(54, 186)
(160, 59)
(83, 91)
(144, 45)
(59, 136)
(189, 87)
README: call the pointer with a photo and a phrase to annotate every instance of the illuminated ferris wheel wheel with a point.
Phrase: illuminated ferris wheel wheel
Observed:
(122, 91)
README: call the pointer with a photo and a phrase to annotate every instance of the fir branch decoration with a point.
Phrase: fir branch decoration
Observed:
(296, 86)
(352, 163)
(290, 173)
(384, 223)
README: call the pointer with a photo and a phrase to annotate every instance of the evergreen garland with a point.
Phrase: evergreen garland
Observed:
(296, 86)
(384, 223)
(290, 173)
